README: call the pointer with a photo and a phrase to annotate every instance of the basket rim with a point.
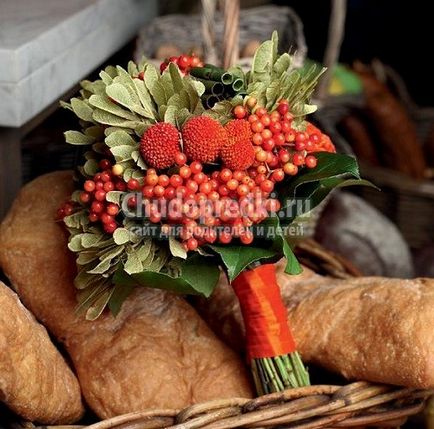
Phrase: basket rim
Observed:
(357, 403)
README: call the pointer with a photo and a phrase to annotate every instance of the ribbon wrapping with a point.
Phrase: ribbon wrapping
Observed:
(265, 316)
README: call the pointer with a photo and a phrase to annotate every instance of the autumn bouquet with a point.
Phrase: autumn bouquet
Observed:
(190, 170)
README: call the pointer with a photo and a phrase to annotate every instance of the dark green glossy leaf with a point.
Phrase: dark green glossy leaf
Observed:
(236, 258)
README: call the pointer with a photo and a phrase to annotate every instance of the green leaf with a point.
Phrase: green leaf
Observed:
(82, 109)
(99, 305)
(120, 294)
(329, 165)
(91, 167)
(102, 102)
(237, 258)
(121, 236)
(175, 75)
(176, 248)
(122, 153)
(78, 138)
(199, 276)
(114, 197)
(120, 138)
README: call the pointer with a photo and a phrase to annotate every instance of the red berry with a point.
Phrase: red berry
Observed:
(121, 186)
(210, 235)
(159, 191)
(106, 218)
(223, 190)
(89, 185)
(240, 112)
(105, 164)
(151, 179)
(84, 197)
(257, 139)
(163, 180)
(112, 209)
(99, 185)
(278, 175)
(268, 145)
(243, 190)
(133, 184)
(300, 137)
(192, 186)
(225, 237)
(205, 187)
(298, 159)
(195, 61)
(100, 195)
(275, 127)
(97, 207)
(261, 156)
(283, 107)
(195, 167)
(246, 237)
(279, 139)
(105, 177)
(225, 175)
(93, 217)
(290, 169)
(183, 61)
(267, 186)
(180, 158)
(300, 145)
(109, 186)
(253, 118)
(192, 244)
(257, 127)
(173, 59)
(286, 126)
(232, 184)
(148, 191)
(185, 172)
(110, 228)
(176, 180)
(311, 161)
(290, 136)
(200, 178)
(260, 111)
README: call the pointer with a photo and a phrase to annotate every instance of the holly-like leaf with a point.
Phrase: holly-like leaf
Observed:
(199, 276)
(236, 258)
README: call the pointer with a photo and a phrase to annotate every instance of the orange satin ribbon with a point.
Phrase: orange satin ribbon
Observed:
(265, 316)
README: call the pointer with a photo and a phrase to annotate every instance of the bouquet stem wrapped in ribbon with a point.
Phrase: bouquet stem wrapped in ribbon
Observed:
(190, 170)
(271, 349)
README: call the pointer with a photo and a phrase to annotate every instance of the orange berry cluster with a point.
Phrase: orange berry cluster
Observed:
(184, 62)
(94, 193)
(280, 149)
(206, 207)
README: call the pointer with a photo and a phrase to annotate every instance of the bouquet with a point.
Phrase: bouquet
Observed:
(191, 170)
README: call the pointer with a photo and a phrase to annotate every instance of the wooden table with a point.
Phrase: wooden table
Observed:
(46, 48)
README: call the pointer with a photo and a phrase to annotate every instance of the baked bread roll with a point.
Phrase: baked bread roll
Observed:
(367, 328)
(157, 353)
(35, 381)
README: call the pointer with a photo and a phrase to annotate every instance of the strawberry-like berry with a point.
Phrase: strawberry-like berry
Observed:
(160, 145)
(203, 137)
(238, 153)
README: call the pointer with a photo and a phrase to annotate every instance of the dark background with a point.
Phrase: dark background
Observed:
(399, 33)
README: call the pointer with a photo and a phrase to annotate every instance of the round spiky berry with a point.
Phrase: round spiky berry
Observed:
(160, 145)
(238, 153)
(203, 138)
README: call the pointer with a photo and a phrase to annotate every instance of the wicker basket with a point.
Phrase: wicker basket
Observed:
(407, 202)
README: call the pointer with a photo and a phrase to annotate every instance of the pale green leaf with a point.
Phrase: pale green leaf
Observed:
(78, 138)
(176, 248)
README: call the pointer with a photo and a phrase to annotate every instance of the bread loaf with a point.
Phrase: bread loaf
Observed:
(350, 226)
(157, 353)
(35, 381)
(368, 328)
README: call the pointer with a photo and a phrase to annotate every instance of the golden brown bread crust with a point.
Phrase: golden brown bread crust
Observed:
(157, 353)
(370, 328)
(35, 381)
